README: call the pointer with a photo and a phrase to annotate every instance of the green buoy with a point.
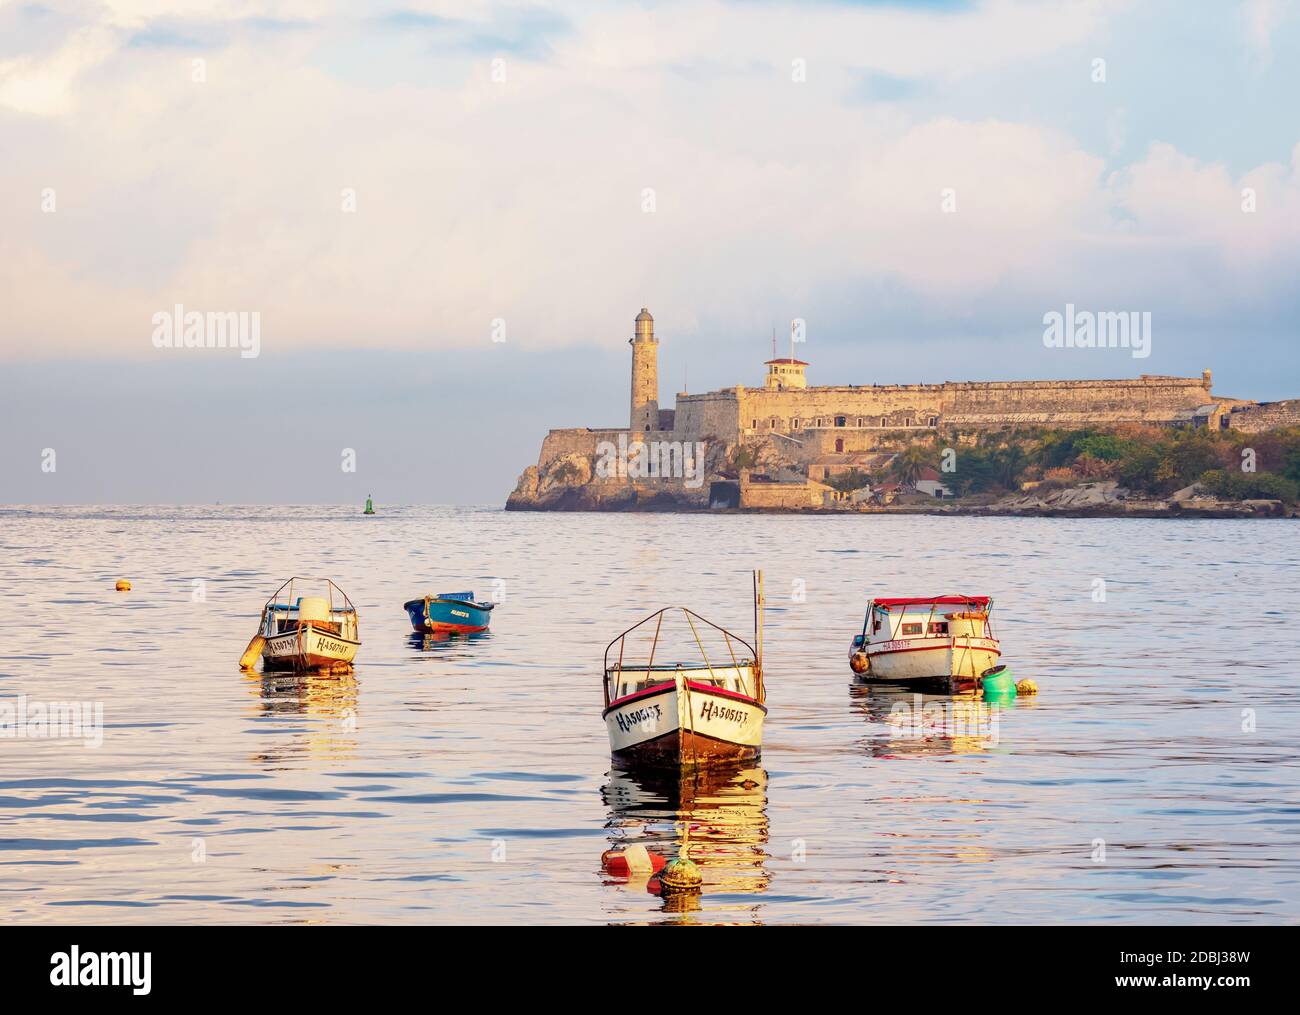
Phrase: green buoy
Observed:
(997, 684)
(370, 506)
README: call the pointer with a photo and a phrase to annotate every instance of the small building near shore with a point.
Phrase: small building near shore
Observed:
(930, 482)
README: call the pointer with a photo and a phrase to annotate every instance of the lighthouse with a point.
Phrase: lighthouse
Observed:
(645, 374)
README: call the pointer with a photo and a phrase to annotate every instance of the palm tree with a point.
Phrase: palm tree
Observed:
(908, 463)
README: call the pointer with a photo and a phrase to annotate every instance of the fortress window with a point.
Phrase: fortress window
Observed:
(883, 421)
(934, 420)
(755, 426)
(839, 444)
(840, 420)
(859, 421)
(819, 421)
(776, 423)
(907, 422)
(794, 423)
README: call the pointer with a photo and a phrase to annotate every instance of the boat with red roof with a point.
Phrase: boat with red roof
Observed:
(943, 644)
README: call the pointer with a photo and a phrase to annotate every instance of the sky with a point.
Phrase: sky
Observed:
(447, 215)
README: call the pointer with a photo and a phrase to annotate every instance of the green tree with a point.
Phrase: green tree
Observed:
(1104, 446)
(908, 463)
(846, 482)
(1250, 485)
(744, 458)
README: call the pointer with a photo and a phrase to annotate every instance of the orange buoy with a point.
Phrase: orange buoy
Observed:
(253, 652)
(123, 585)
(633, 860)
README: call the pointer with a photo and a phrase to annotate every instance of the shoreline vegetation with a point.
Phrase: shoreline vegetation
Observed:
(1127, 470)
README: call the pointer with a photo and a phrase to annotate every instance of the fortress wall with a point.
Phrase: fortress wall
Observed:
(777, 495)
(559, 443)
(1266, 416)
(989, 403)
(1145, 399)
(896, 404)
(822, 442)
(577, 441)
(708, 415)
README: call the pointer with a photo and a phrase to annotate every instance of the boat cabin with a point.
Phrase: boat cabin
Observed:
(900, 619)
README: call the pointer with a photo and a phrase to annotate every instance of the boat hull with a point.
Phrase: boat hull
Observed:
(308, 648)
(448, 616)
(937, 665)
(681, 723)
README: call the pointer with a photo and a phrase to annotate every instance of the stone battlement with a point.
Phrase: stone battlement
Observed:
(1265, 416)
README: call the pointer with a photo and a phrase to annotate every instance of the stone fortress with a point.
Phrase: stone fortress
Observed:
(773, 445)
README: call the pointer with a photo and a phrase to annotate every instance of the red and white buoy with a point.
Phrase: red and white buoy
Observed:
(634, 860)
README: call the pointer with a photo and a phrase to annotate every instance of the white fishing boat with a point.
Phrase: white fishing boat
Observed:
(684, 713)
(306, 632)
(942, 644)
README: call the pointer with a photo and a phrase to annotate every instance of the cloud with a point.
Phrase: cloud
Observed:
(1262, 19)
(42, 83)
(523, 199)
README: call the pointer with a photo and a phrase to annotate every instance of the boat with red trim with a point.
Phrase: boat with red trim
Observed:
(675, 714)
(942, 644)
(449, 613)
(308, 632)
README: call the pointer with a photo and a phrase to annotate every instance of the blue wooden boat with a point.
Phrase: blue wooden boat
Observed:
(449, 613)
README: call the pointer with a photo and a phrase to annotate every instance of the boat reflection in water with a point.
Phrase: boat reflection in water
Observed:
(444, 641)
(904, 723)
(328, 703)
(723, 809)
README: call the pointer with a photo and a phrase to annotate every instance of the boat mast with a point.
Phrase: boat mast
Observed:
(758, 629)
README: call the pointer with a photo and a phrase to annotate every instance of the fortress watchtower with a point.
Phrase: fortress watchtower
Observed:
(786, 373)
(645, 374)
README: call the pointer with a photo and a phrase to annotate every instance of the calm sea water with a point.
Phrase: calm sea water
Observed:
(1155, 778)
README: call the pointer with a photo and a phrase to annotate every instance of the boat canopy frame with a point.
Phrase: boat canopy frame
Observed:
(347, 607)
(691, 616)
